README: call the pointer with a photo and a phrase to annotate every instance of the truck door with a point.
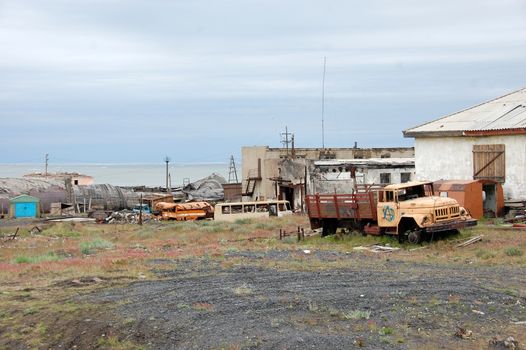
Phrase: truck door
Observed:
(387, 209)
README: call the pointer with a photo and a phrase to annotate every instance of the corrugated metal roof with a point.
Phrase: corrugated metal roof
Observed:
(504, 113)
(24, 198)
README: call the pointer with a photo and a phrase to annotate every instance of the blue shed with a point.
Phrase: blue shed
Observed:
(24, 206)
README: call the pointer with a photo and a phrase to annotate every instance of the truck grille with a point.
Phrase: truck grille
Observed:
(447, 213)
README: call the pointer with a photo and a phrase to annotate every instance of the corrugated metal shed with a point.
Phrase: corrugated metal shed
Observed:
(503, 115)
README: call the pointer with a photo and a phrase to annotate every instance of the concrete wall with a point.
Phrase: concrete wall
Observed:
(342, 182)
(451, 158)
(271, 159)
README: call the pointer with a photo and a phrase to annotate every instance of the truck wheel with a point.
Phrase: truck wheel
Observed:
(329, 227)
(414, 237)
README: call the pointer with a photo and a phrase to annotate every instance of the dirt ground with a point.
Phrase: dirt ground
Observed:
(371, 303)
(206, 286)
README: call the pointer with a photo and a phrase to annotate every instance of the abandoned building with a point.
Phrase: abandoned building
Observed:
(341, 175)
(73, 178)
(281, 173)
(486, 142)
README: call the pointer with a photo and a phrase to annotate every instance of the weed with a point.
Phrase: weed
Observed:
(129, 321)
(244, 289)
(386, 331)
(90, 247)
(275, 322)
(313, 307)
(357, 315)
(514, 251)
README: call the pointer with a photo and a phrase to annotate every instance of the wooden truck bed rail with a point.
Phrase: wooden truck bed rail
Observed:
(342, 206)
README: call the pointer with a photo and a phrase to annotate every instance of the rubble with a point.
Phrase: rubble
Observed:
(126, 217)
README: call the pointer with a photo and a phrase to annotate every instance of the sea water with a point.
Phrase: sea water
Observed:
(126, 174)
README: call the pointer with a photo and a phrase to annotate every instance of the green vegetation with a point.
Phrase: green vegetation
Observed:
(514, 251)
(484, 254)
(35, 259)
(91, 247)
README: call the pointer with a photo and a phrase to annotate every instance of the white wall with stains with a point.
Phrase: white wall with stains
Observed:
(451, 158)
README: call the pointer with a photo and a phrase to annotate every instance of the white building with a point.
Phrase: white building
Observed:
(341, 175)
(486, 142)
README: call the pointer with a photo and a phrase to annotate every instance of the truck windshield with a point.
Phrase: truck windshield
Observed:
(411, 193)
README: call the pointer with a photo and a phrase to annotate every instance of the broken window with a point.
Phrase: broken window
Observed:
(405, 177)
(236, 209)
(385, 178)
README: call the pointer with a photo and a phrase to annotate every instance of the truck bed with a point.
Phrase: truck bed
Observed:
(342, 206)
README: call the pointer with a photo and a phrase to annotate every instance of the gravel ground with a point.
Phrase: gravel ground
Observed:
(369, 302)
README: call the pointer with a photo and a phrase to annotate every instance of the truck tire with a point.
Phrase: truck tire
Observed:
(329, 227)
(414, 236)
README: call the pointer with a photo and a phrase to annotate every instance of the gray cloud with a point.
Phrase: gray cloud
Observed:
(89, 74)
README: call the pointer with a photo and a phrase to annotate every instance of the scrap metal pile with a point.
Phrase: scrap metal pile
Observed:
(126, 217)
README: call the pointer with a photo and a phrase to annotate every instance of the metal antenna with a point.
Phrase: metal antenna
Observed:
(285, 139)
(232, 173)
(323, 104)
(167, 160)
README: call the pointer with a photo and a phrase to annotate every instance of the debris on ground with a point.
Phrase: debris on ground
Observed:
(11, 236)
(126, 217)
(463, 333)
(470, 241)
(375, 248)
(508, 343)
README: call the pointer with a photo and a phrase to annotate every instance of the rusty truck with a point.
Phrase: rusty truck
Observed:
(409, 211)
(184, 211)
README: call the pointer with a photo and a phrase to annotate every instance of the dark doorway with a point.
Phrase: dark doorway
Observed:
(287, 193)
(490, 200)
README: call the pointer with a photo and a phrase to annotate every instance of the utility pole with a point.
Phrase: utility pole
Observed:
(285, 139)
(46, 160)
(167, 160)
(232, 173)
(323, 104)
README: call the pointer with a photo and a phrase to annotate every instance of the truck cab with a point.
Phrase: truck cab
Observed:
(410, 210)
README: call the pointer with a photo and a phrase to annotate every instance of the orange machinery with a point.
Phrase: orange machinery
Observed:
(185, 211)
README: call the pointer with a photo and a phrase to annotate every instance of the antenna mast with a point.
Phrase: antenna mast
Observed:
(285, 139)
(323, 104)
(232, 174)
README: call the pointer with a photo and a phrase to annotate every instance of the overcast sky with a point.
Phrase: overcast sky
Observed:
(132, 81)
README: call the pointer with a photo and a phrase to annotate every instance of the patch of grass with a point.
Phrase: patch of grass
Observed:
(514, 251)
(62, 230)
(203, 307)
(91, 247)
(484, 254)
(35, 259)
(243, 221)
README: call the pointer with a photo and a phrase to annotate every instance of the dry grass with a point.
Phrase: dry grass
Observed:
(92, 253)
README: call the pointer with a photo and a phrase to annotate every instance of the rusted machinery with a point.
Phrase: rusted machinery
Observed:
(184, 211)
